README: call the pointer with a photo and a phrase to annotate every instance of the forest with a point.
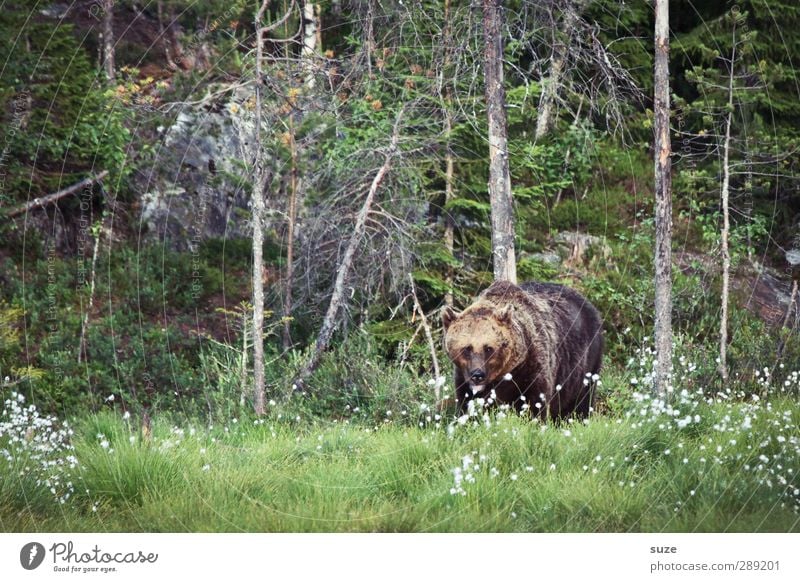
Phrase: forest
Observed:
(229, 232)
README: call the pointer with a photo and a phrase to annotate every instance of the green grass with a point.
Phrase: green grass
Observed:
(612, 474)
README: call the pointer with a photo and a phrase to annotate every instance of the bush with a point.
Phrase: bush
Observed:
(353, 381)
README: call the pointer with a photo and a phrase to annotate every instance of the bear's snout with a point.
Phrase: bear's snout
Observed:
(478, 376)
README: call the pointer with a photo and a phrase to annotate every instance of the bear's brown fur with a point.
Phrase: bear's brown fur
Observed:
(548, 337)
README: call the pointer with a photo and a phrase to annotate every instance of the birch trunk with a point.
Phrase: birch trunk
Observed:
(505, 265)
(108, 39)
(663, 205)
(449, 225)
(726, 255)
(369, 34)
(449, 165)
(311, 16)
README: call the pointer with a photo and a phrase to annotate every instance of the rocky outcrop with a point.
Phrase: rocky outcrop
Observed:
(571, 249)
(765, 292)
(196, 188)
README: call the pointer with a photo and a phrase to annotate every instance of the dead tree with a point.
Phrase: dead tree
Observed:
(501, 201)
(290, 234)
(726, 225)
(449, 171)
(259, 175)
(331, 316)
(561, 46)
(663, 204)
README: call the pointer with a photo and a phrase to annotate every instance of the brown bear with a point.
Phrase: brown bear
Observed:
(538, 344)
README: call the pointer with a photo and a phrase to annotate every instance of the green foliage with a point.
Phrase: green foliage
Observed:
(9, 330)
(732, 57)
(543, 170)
(12, 371)
(60, 121)
(354, 381)
(530, 269)
(144, 343)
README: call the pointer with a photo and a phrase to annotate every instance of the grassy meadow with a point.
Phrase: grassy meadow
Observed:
(693, 463)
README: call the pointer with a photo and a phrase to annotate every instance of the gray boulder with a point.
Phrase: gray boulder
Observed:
(196, 187)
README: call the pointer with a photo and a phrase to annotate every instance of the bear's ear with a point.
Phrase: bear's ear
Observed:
(505, 314)
(448, 316)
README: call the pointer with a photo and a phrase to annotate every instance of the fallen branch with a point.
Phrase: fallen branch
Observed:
(50, 198)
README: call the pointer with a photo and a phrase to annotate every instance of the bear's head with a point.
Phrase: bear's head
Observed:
(483, 341)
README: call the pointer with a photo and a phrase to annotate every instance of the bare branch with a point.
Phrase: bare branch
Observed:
(429, 336)
(50, 198)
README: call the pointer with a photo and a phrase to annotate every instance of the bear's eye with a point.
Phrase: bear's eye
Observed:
(488, 350)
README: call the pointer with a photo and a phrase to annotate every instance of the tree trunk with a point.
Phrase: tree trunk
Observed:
(505, 265)
(258, 223)
(663, 205)
(162, 34)
(369, 37)
(330, 321)
(175, 46)
(726, 256)
(291, 220)
(108, 39)
(449, 165)
(98, 232)
(551, 85)
(243, 370)
(310, 37)
(449, 223)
